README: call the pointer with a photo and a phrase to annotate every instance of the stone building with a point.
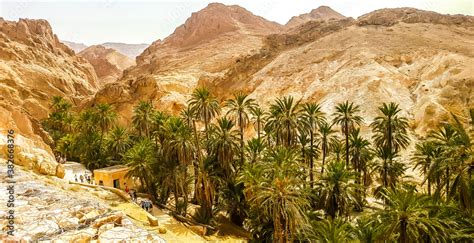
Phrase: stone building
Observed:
(114, 176)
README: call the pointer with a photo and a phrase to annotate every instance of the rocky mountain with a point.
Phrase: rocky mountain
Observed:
(204, 47)
(107, 62)
(323, 13)
(34, 67)
(76, 47)
(129, 50)
(419, 59)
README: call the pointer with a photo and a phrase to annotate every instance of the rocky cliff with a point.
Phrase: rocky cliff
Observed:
(107, 62)
(419, 59)
(205, 46)
(34, 67)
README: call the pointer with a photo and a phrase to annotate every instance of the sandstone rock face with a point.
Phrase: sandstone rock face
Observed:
(34, 66)
(206, 45)
(323, 13)
(107, 62)
(423, 64)
(419, 59)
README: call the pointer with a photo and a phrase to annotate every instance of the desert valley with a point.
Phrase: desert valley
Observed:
(337, 115)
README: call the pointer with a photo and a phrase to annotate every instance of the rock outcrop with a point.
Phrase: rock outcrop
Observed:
(206, 45)
(34, 67)
(50, 209)
(322, 13)
(419, 59)
(107, 62)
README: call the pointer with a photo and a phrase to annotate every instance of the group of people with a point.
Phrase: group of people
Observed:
(83, 178)
(60, 159)
(132, 193)
(144, 203)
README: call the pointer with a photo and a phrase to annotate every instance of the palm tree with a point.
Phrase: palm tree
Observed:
(178, 149)
(142, 118)
(409, 214)
(158, 120)
(59, 104)
(456, 159)
(424, 156)
(118, 142)
(257, 117)
(206, 188)
(254, 149)
(346, 116)
(390, 130)
(223, 143)
(189, 116)
(139, 160)
(277, 192)
(239, 108)
(332, 231)
(105, 117)
(325, 135)
(283, 120)
(59, 121)
(361, 154)
(336, 147)
(368, 230)
(337, 190)
(444, 138)
(205, 106)
(390, 172)
(312, 117)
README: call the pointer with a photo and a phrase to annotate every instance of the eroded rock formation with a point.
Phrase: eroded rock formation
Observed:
(34, 67)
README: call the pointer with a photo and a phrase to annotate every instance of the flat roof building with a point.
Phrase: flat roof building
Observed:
(114, 176)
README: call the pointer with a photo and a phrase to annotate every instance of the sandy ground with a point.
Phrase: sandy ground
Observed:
(177, 231)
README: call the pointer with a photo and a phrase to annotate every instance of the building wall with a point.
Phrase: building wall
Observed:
(108, 178)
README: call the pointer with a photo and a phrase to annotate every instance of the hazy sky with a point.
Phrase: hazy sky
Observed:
(94, 22)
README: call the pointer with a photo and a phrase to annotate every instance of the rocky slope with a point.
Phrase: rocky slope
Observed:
(34, 67)
(107, 62)
(323, 13)
(205, 46)
(419, 59)
(129, 50)
(50, 209)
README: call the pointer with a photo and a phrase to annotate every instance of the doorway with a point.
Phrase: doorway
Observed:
(117, 184)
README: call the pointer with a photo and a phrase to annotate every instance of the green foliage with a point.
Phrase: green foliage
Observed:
(263, 179)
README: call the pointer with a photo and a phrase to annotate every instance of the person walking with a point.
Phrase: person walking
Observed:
(75, 177)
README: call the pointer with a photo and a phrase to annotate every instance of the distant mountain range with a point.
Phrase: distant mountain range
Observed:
(129, 50)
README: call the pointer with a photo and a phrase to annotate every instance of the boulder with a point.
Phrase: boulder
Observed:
(60, 172)
(115, 218)
(152, 220)
(41, 229)
(105, 227)
(90, 216)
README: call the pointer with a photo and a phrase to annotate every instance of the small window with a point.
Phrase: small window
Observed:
(117, 183)
(101, 183)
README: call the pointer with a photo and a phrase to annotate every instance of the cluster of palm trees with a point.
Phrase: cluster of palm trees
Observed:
(286, 173)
